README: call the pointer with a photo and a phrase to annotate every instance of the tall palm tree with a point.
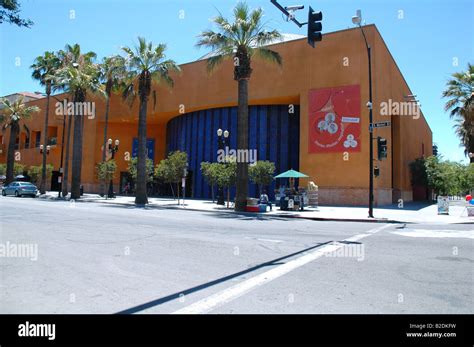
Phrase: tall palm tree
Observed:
(460, 91)
(112, 74)
(12, 114)
(145, 64)
(241, 39)
(78, 76)
(44, 68)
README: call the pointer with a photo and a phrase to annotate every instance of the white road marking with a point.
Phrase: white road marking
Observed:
(270, 240)
(220, 298)
(469, 234)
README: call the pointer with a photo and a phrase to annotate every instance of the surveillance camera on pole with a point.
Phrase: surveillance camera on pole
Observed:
(291, 11)
(357, 19)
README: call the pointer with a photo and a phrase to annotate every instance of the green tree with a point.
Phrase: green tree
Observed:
(171, 169)
(18, 169)
(35, 172)
(9, 12)
(44, 69)
(132, 169)
(460, 92)
(448, 178)
(241, 39)
(210, 173)
(145, 63)
(78, 75)
(227, 176)
(13, 114)
(106, 170)
(261, 173)
(436, 175)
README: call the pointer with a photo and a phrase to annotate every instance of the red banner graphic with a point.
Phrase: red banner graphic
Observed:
(334, 120)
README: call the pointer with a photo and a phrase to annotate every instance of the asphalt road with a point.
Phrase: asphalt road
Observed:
(93, 258)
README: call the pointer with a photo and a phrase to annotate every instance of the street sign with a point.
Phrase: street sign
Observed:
(380, 124)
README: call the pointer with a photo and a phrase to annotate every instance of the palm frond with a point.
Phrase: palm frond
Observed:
(269, 55)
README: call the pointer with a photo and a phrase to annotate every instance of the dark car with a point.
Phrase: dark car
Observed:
(19, 189)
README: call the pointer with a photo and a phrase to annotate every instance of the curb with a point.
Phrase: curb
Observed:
(281, 215)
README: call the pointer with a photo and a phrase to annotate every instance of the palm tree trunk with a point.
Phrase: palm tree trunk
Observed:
(45, 142)
(242, 144)
(107, 107)
(66, 160)
(140, 192)
(77, 151)
(14, 128)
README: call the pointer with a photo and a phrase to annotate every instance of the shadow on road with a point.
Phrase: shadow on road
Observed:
(188, 291)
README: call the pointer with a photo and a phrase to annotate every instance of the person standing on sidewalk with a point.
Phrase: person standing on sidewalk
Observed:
(264, 199)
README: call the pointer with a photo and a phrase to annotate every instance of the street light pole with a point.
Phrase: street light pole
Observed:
(357, 19)
(62, 153)
(222, 138)
(112, 149)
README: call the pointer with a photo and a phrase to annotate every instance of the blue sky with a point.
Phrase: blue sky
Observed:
(429, 39)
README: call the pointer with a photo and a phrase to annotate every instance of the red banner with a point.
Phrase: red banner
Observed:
(334, 120)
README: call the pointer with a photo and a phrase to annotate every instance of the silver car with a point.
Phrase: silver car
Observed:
(20, 189)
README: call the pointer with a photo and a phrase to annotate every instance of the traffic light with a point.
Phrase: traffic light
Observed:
(381, 148)
(435, 150)
(314, 26)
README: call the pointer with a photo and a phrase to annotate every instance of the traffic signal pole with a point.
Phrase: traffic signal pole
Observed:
(371, 141)
(371, 129)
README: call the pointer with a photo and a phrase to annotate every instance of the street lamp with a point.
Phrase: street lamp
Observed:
(183, 182)
(357, 20)
(222, 138)
(112, 147)
(48, 148)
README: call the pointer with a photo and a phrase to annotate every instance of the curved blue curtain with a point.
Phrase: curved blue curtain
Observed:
(273, 132)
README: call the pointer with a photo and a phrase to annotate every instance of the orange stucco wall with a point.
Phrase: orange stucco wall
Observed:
(340, 59)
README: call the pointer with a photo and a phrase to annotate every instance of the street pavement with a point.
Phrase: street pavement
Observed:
(110, 258)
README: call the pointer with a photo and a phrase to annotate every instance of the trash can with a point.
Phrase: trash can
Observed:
(252, 205)
(284, 203)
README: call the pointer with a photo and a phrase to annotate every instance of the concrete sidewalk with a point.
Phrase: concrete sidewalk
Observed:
(411, 213)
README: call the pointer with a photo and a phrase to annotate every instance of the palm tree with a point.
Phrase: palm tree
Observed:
(78, 76)
(44, 68)
(242, 39)
(145, 64)
(112, 73)
(15, 112)
(460, 91)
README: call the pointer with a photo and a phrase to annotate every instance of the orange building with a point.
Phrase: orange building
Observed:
(309, 114)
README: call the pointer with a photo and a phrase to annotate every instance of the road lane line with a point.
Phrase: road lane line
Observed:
(270, 240)
(220, 298)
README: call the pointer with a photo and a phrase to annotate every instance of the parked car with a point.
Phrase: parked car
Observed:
(19, 189)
